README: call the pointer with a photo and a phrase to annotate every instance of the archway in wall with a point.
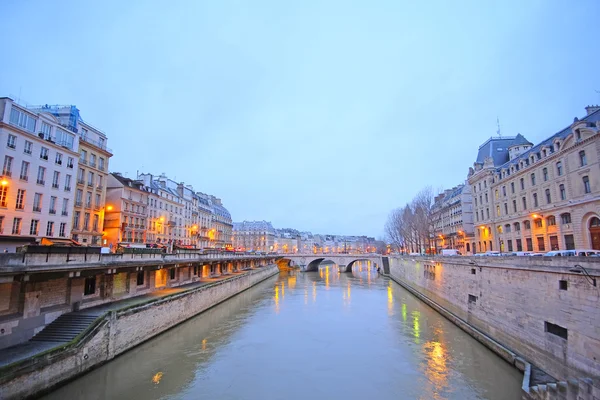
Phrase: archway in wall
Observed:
(368, 263)
(284, 264)
(594, 232)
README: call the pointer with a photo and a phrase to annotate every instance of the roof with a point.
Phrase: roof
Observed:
(497, 149)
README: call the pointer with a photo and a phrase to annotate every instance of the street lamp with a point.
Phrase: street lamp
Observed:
(580, 270)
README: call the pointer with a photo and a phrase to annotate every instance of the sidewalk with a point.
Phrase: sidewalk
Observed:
(28, 349)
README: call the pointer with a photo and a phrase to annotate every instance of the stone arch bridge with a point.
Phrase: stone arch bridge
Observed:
(310, 262)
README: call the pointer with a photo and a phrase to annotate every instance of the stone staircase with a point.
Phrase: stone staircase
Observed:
(65, 328)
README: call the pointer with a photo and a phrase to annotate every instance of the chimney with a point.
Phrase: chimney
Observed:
(592, 109)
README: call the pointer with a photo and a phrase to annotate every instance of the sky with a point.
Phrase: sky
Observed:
(321, 116)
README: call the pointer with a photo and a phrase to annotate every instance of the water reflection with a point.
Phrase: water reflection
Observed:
(271, 342)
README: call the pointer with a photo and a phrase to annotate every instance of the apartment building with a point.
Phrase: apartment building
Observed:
(539, 198)
(453, 219)
(40, 159)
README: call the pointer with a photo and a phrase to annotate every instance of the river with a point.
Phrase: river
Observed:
(315, 335)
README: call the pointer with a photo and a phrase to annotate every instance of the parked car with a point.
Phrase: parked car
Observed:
(520, 253)
(450, 252)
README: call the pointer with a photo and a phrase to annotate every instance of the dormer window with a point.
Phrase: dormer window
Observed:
(577, 134)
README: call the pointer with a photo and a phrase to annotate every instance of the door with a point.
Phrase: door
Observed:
(595, 233)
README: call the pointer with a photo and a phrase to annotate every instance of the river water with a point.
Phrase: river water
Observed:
(315, 335)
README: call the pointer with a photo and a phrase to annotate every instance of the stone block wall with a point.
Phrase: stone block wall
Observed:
(521, 304)
(119, 332)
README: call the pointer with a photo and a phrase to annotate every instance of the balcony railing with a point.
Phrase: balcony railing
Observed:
(78, 203)
(80, 181)
(90, 184)
(24, 178)
(88, 205)
(55, 185)
(92, 164)
(52, 211)
(7, 173)
(41, 182)
(99, 187)
(67, 188)
(37, 209)
(83, 161)
(65, 213)
(95, 143)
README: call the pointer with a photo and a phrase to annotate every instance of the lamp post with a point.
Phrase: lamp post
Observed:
(581, 270)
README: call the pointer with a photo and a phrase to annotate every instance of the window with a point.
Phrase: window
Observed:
(97, 200)
(86, 221)
(565, 218)
(44, 153)
(96, 222)
(93, 160)
(485, 184)
(3, 196)
(556, 330)
(562, 285)
(545, 173)
(487, 212)
(535, 200)
(551, 220)
(532, 179)
(522, 183)
(475, 201)
(540, 243)
(529, 244)
(24, 175)
(563, 193)
(554, 243)
(586, 185)
(33, 228)
(16, 228)
(548, 197)
(510, 245)
(514, 203)
(70, 162)
(101, 142)
(496, 194)
(504, 191)
(101, 163)
(28, 147)
(11, 142)
(486, 197)
(83, 157)
(19, 118)
(472, 299)
(65, 207)
(53, 200)
(582, 159)
(517, 227)
(505, 208)
(172, 273)
(140, 278)
(67, 183)
(498, 211)
(538, 223)
(90, 180)
(46, 131)
(507, 228)
(559, 169)
(20, 201)
(89, 286)
(50, 229)
(62, 229)
(58, 158)
(55, 179)
(80, 175)
(99, 182)
(512, 187)
(41, 176)
(7, 168)
(37, 202)
(78, 197)
(88, 199)
(569, 242)
(76, 219)
(526, 225)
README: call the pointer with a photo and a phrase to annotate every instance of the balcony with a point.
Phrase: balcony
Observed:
(41, 182)
(70, 165)
(90, 184)
(52, 212)
(65, 213)
(24, 178)
(95, 143)
(80, 181)
(67, 189)
(88, 205)
(93, 164)
(6, 173)
(55, 185)
(58, 162)
(82, 161)
(78, 203)
(37, 209)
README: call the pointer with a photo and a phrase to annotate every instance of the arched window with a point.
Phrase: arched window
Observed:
(595, 222)
(565, 218)
(551, 220)
(517, 227)
(507, 228)
(527, 225)
(499, 228)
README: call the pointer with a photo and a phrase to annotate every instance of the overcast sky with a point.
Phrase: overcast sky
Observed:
(319, 116)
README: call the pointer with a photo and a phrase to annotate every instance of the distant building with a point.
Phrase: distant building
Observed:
(539, 198)
(253, 236)
(453, 219)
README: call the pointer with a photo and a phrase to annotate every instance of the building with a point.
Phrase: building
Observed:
(126, 216)
(539, 198)
(253, 236)
(90, 189)
(37, 186)
(222, 232)
(453, 219)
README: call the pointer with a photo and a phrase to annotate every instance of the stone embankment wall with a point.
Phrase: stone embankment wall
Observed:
(526, 309)
(118, 332)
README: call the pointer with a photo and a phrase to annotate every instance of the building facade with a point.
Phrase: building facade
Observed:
(253, 236)
(453, 219)
(92, 171)
(37, 185)
(539, 198)
(126, 216)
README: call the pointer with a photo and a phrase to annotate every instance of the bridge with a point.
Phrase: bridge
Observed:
(310, 262)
